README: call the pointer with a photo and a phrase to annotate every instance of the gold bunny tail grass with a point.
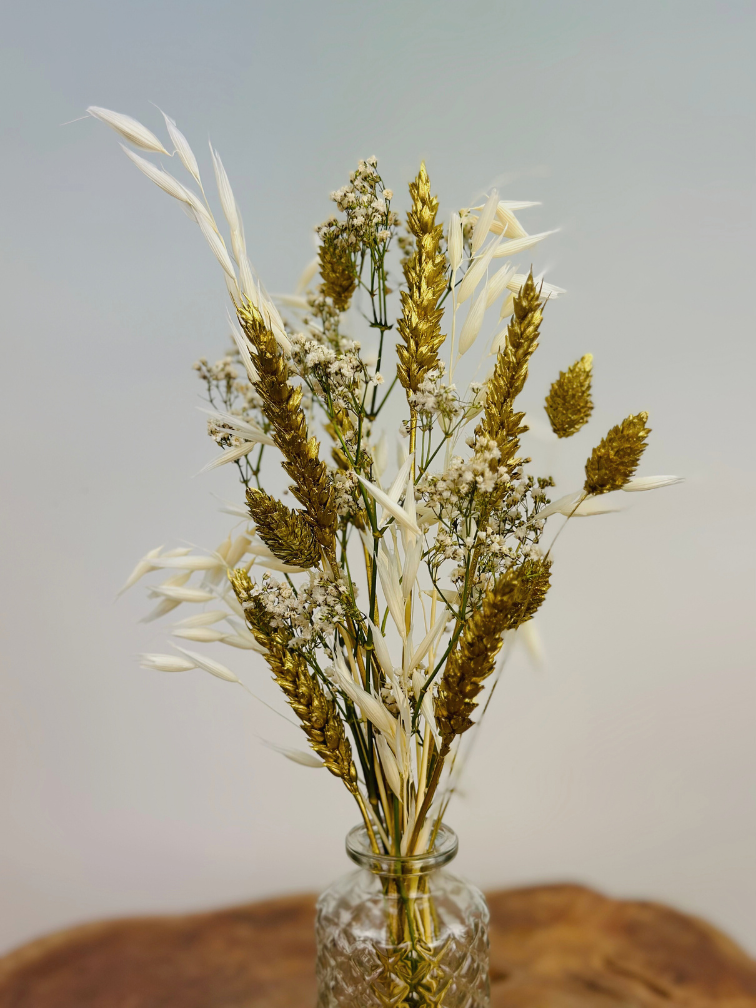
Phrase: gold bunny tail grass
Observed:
(337, 272)
(282, 406)
(614, 461)
(426, 276)
(499, 420)
(316, 711)
(515, 598)
(569, 404)
(287, 534)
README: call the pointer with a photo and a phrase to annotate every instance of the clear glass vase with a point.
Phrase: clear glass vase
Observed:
(401, 931)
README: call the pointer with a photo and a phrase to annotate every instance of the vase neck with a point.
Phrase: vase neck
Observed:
(444, 848)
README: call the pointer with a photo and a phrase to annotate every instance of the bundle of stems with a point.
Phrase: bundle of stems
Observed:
(394, 592)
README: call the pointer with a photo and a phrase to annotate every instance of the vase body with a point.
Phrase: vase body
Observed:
(402, 932)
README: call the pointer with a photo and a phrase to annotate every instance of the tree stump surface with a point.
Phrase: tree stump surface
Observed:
(558, 946)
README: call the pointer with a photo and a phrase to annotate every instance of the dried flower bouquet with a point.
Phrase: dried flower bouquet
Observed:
(395, 592)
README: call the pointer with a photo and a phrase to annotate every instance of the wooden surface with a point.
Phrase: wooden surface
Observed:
(551, 947)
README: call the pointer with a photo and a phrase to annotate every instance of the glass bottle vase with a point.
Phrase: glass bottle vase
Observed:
(402, 932)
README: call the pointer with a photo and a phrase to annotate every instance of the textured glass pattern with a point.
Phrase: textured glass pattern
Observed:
(421, 941)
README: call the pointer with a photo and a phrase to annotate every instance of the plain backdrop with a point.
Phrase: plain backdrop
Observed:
(628, 760)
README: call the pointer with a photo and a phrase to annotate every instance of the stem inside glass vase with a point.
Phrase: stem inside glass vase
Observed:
(402, 931)
(410, 915)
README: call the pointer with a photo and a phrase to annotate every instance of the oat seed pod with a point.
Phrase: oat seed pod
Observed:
(455, 242)
(426, 276)
(161, 178)
(287, 533)
(484, 221)
(130, 129)
(184, 151)
(316, 711)
(614, 461)
(569, 404)
(515, 597)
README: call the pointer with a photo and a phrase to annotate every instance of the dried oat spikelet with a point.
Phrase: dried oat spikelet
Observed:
(514, 598)
(287, 533)
(500, 421)
(614, 461)
(337, 271)
(569, 404)
(282, 406)
(316, 711)
(426, 276)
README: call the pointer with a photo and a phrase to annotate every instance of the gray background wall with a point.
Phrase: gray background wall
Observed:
(628, 762)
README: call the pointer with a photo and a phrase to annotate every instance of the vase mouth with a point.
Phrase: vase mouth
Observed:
(444, 848)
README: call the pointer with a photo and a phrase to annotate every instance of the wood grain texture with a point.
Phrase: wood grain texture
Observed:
(551, 947)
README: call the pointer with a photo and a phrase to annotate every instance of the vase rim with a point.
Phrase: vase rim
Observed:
(444, 849)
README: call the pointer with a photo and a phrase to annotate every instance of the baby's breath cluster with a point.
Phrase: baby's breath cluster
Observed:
(312, 612)
(349, 503)
(467, 481)
(236, 411)
(436, 401)
(486, 516)
(367, 208)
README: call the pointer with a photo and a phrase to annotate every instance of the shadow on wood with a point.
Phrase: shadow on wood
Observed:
(559, 946)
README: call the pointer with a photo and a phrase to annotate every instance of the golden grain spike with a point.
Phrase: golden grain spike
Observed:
(282, 406)
(515, 598)
(569, 404)
(426, 276)
(287, 533)
(337, 271)
(499, 420)
(614, 461)
(316, 710)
